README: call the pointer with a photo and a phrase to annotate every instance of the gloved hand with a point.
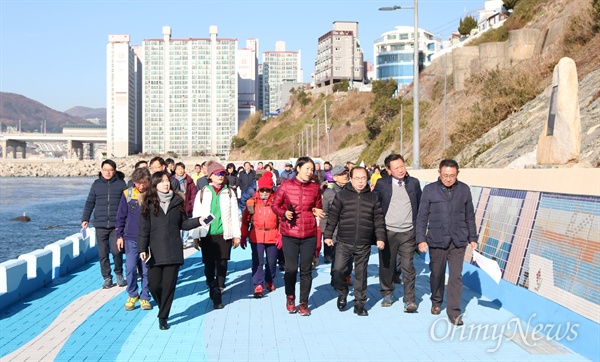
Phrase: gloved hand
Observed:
(243, 243)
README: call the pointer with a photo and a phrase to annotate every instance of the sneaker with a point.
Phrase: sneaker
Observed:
(303, 309)
(145, 304)
(410, 307)
(348, 280)
(258, 291)
(270, 287)
(130, 304)
(121, 281)
(388, 300)
(290, 304)
(108, 283)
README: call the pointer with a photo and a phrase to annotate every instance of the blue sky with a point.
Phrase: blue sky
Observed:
(55, 51)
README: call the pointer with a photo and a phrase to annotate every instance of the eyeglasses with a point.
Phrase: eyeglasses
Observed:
(448, 177)
(220, 173)
(266, 190)
(364, 178)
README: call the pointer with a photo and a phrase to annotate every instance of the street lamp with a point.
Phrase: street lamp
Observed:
(416, 148)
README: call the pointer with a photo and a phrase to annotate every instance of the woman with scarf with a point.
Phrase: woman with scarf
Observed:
(159, 242)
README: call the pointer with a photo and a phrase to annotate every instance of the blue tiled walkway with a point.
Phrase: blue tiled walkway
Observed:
(251, 329)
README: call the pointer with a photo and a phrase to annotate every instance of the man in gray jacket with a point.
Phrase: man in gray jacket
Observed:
(446, 223)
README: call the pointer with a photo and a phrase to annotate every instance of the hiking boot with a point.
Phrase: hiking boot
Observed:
(108, 283)
(410, 307)
(145, 304)
(290, 304)
(130, 303)
(361, 311)
(303, 309)
(341, 302)
(121, 281)
(270, 287)
(388, 300)
(258, 291)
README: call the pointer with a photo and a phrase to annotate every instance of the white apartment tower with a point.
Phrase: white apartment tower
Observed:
(123, 125)
(394, 54)
(247, 67)
(278, 67)
(339, 55)
(190, 94)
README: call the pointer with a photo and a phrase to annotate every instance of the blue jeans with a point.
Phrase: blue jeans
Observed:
(132, 263)
(261, 274)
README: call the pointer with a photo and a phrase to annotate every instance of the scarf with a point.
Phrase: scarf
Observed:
(165, 200)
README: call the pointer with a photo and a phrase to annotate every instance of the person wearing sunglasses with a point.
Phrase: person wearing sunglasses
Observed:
(223, 232)
(261, 225)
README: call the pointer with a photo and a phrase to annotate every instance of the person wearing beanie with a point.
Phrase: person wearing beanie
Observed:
(261, 225)
(216, 238)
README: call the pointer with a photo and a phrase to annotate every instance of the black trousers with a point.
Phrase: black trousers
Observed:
(106, 241)
(294, 248)
(344, 253)
(400, 245)
(437, 265)
(162, 280)
(215, 253)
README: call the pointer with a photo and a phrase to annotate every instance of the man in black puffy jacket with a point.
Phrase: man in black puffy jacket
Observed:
(357, 214)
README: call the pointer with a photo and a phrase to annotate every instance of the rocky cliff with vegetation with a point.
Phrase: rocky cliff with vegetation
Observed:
(494, 119)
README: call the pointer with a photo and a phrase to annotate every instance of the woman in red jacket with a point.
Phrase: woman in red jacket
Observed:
(261, 224)
(298, 202)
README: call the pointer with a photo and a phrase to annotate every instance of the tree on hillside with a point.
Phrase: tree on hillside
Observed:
(509, 4)
(383, 108)
(341, 86)
(466, 25)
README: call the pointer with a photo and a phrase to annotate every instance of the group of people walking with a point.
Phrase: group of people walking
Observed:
(291, 214)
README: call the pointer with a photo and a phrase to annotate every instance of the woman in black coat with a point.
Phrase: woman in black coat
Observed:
(159, 241)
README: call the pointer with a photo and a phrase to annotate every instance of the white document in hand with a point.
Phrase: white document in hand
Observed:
(489, 266)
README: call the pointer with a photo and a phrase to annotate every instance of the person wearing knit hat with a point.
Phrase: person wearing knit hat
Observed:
(216, 238)
(261, 225)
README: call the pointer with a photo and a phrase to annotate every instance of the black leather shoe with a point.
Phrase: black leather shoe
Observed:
(361, 311)
(162, 324)
(435, 310)
(457, 321)
(219, 305)
(341, 303)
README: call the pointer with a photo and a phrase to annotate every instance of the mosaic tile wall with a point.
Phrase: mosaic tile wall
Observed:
(545, 242)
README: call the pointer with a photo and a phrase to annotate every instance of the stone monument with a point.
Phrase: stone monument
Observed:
(560, 140)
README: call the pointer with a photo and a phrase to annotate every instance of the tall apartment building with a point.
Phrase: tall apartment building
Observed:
(278, 66)
(123, 123)
(394, 54)
(339, 55)
(247, 68)
(190, 94)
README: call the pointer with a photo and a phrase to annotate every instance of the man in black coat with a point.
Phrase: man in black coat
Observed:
(356, 212)
(399, 195)
(246, 177)
(446, 223)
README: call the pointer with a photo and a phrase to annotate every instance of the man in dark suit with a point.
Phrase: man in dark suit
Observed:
(446, 224)
(399, 195)
(246, 177)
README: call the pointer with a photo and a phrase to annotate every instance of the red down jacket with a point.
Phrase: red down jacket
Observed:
(303, 197)
(265, 229)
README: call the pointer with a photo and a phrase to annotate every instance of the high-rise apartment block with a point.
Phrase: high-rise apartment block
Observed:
(247, 68)
(394, 54)
(278, 67)
(123, 121)
(339, 55)
(190, 94)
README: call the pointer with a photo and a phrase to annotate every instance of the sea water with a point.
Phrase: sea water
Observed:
(55, 206)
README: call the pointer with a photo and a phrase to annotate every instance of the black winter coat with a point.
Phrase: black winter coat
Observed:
(103, 200)
(357, 215)
(246, 179)
(442, 220)
(161, 233)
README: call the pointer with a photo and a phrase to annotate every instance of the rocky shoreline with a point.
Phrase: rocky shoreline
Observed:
(74, 168)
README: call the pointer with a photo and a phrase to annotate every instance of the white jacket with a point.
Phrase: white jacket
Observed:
(229, 213)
